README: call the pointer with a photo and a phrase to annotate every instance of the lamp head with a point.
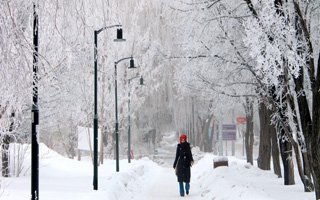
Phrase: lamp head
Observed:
(119, 36)
(131, 64)
(141, 81)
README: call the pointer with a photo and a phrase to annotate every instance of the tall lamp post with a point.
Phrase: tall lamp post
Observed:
(116, 105)
(95, 117)
(129, 121)
(35, 113)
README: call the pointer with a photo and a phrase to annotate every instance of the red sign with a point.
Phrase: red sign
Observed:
(241, 120)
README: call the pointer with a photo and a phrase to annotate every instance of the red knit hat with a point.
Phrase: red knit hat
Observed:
(183, 137)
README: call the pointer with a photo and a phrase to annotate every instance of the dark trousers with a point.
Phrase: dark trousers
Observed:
(181, 186)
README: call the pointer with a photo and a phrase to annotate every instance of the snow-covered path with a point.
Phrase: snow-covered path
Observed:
(164, 185)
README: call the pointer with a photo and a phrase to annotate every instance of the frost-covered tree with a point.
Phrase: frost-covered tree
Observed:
(15, 71)
(286, 56)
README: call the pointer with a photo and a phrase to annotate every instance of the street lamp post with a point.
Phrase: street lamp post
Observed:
(116, 105)
(95, 117)
(35, 113)
(129, 120)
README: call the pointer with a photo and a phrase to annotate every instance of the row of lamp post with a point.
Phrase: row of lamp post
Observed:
(95, 119)
(35, 109)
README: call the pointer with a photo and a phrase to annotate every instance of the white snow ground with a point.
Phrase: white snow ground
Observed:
(143, 179)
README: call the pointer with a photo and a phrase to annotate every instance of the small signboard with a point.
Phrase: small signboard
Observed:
(85, 138)
(229, 132)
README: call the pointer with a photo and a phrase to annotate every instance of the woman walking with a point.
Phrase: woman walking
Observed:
(182, 164)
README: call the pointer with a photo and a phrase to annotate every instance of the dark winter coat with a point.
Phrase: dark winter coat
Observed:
(183, 162)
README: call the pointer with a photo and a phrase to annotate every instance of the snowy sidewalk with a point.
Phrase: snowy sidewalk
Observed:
(164, 186)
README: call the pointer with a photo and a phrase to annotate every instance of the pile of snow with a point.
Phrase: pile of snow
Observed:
(220, 159)
(237, 181)
(72, 179)
(197, 154)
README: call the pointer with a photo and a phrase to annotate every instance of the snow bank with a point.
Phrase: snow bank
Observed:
(131, 180)
(238, 181)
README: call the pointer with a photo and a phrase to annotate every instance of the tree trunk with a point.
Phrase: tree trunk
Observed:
(285, 139)
(5, 155)
(207, 138)
(308, 186)
(193, 128)
(306, 125)
(206, 142)
(286, 155)
(5, 150)
(264, 157)
(304, 171)
(199, 135)
(249, 136)
(315, 138)
(315, 166)
(285, 134)
(275, 151)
